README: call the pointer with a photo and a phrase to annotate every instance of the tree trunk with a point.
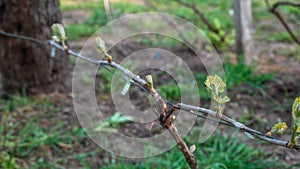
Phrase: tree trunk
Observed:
(28, 65)
(243, 22)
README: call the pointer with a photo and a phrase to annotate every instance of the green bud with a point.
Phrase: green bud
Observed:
(100, 45)
(296, 113)
(217, 23)
(59, 33)
(149, 81)
(279, 128)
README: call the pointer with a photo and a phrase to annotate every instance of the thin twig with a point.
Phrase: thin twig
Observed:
(177, 29)
(286, 3)
(204, 20)
(23, 37)
(239, 126)
(273, 9)
(189, 156)
(202, 16)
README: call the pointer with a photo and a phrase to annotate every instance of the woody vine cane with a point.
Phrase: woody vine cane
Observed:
(214, 85)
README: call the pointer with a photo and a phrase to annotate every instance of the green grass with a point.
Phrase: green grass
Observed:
(77, 31)
(98, 17)
(289, 53)
(282, 36)
(105, 78)
(158, 41)
(172, 91)
(218, 152)
(29, 139)
(241, 73)
(129, 8)
(118, 7)
(29, 129)
(298, 53)
(67, 5)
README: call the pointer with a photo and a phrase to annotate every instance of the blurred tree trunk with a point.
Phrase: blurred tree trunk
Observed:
(25, 64)
(243, 21)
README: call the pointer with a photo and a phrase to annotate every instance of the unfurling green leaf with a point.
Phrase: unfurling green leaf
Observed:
(59, 33)
(296, 113)
(55, 38)
(149, 81)
(222, 100)
(296, 108)
(217, 24)
(279, 128)
(296, 122)
(216, 86)
(215, 83)
(192, 148)
(100, 45)
(214, 37)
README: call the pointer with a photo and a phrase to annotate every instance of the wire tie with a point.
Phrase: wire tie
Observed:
(126, 87)
(53, 52)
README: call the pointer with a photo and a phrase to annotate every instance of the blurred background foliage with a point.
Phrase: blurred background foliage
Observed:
(40, 132)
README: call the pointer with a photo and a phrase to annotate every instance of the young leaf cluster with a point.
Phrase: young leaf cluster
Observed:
(296, 122)
(100, 46)
(59, 34)
(216, 86)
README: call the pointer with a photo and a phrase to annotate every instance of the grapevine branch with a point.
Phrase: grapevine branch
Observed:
(202, 16)
(277, 4)
(165, 107)
(196, 11)
(273, 9)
